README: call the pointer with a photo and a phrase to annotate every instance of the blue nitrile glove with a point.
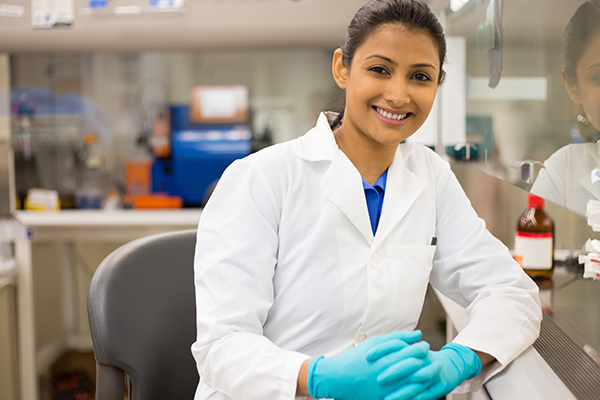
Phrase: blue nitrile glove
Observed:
(442, 372)
(350, 376)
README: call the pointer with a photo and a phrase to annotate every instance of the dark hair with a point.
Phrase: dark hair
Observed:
(581, 29)
(413, 15)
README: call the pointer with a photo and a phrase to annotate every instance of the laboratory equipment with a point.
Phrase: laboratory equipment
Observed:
(199, 154)
(90, 182)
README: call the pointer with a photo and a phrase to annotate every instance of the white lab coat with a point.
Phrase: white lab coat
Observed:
(287, 267)
(566, 178)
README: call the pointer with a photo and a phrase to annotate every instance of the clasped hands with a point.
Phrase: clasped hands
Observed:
(392, 367)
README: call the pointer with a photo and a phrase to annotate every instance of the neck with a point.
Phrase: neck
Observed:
(371, 159)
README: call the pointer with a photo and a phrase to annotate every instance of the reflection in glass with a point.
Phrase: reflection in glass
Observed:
(571, 175)
(526, 111)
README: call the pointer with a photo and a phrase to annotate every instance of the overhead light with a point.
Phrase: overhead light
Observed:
(127, 10)
(456, 5)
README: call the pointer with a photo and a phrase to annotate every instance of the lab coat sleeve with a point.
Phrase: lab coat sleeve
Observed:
(476, 270)
(550, 182)
(236, 256)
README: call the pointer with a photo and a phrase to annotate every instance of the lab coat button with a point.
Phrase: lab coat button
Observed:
(361, 337)
(375, 258)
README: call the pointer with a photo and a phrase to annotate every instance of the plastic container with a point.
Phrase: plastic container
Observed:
(534, 240)
(90, 182)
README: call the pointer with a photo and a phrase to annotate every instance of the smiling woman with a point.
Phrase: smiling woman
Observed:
(390, 87)
(313, 256)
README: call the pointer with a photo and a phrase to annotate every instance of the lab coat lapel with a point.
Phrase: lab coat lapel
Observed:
(402, 189)
(342, 185)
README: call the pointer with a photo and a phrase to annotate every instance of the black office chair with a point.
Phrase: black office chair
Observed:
(141, 309)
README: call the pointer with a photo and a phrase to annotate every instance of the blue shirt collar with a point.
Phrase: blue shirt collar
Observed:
(380, 182)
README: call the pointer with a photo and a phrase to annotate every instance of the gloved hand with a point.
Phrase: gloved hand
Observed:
(350, 376)
(442, 372)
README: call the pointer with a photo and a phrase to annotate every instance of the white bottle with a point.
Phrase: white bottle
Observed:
(90, 183)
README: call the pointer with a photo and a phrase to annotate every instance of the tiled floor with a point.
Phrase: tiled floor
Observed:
(69, 363)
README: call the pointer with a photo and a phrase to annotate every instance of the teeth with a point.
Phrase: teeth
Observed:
(390, 115)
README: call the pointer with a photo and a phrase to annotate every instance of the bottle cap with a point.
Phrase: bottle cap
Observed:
(535, 202)
(90, 138)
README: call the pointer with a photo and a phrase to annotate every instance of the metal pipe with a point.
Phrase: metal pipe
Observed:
(7, 184)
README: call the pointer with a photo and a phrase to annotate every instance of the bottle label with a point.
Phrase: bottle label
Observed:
(533, 250)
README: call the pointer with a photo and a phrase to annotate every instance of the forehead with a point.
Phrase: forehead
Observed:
(400, 44)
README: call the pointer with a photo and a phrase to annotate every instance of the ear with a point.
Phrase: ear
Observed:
(571, 87)
(340, 72)
(442, 77)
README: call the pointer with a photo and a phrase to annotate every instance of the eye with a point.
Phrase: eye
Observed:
(379, 70)
(421, 77)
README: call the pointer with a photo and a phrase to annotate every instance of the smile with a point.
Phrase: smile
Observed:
(386, 114)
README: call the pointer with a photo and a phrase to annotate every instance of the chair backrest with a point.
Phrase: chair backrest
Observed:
(141, 309)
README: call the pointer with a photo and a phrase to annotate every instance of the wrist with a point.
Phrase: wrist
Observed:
(464, 359)
(302, 384)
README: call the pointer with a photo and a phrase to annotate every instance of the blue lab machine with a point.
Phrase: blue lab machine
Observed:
(199, 155)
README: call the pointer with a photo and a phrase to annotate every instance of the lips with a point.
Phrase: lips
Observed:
(397, 116)
(392, 117)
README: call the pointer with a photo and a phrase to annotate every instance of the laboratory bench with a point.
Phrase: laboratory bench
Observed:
(65, 229)
(563, 364)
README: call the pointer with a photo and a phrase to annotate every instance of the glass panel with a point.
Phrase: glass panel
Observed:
(528, 118)
(57, 99)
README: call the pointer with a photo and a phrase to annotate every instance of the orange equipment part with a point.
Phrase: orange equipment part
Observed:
(138, 176)
(154, 200)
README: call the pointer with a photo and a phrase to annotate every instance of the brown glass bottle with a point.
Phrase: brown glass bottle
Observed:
(534, 240)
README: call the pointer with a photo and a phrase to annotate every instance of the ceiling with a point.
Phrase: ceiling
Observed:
(205, 24)
(525, 21)
(240, 24)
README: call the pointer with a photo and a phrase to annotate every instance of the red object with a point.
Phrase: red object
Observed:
(534, 234)
(535, 202)
(154, 200)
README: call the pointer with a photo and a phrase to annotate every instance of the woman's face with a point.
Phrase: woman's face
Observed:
(390, 85)
(587, 89)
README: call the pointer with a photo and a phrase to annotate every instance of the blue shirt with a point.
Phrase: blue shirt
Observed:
(374, 195)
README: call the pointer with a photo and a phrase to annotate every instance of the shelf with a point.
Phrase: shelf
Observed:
(133, 10)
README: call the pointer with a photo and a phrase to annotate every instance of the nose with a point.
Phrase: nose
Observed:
(397, 93)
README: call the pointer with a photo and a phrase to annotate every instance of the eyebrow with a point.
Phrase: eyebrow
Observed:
(394, 63)
(594, 66)
(422, 65)
(383, 58)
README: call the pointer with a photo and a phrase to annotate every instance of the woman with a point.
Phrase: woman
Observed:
(313, 256)
(569, 177)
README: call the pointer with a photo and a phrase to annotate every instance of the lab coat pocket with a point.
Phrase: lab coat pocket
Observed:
(410, 267)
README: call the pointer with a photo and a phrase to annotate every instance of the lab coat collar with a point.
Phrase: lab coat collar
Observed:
(342, 183)
(318, 144)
